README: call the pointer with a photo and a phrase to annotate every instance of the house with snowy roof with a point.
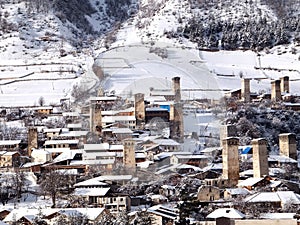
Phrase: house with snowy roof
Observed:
(9, 145)
(231, 193)
(230, 213)
(252, 182)
(278, 199)
(190, 159)
(9, 159)
(98, 193)
(208, 193)
(162, 214)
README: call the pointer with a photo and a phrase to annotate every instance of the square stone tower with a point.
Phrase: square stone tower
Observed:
(139, 106)
(226, 131)
(176, 88)
(284, 84)
(275, 90)
(288, 145)
(176, 113)
(230, 155)
(245, 90)
(129, 153)
(260, 158)
(32, 139)
(95, 118)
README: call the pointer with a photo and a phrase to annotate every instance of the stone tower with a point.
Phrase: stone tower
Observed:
(32, 139)
(176, 89)
(275, 90)
(245, 90)
(227, 131)
(176, 125)
(176, 117)
(139, 107)
(129, 154)
(288, 145)
(230, 155)
(284, 84)
(260, 158)
(95, 118)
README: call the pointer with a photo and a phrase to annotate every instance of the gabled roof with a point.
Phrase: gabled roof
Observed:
(169, 142)
(99, 147)
(54, 142)
(99, 181)
(281, 158)
(67, 155)
(238, 191)
(10, 142)
(226, 212)
(91, 182)
(277, 216)
(163, 211)
(91, 191)
(249, 182)
(280, 196)
(91, 213)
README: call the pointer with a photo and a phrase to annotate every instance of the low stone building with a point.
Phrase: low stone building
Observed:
(208, 193)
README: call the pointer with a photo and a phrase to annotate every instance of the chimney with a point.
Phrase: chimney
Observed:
(260, 158)
(245, 91)
(230, 156)
(32, 139)
(275, 90)
(284, 84)
(288, 145)
(176, 89)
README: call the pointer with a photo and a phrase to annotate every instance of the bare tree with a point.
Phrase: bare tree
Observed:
(52, 183)
(41, 101)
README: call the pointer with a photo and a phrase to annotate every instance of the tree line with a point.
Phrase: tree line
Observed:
(245, 33)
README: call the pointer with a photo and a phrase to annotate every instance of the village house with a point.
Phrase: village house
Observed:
(208, 193)
(168, 190)
(41, 156)
(71, 144)
(45, 110)
(231, 193)
(192, 159)
(9, 159)
(10, 145)
(278, 199)
(252, 183)
(99, 154)
(97, 191)
(52, 133)
(163, 215)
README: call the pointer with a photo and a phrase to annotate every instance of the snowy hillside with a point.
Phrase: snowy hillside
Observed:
(46, 47)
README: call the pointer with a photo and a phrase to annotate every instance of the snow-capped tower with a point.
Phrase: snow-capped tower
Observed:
(32, 139)
(129, 154)
(95, 117)
(139, 105)
(284, 84)
(230, 156)
(288, 145)
(245, 91)
(176, 119)
(176, 89)
(260, 158)
(227, 130)
(275, 90)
